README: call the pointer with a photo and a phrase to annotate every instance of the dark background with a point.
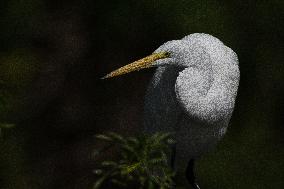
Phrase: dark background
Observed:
(52, 54)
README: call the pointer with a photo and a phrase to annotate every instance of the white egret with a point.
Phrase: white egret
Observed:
(191, 94)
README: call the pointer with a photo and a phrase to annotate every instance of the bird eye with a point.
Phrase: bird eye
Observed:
(167, 54)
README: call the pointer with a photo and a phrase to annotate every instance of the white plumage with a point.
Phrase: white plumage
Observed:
(193, 94)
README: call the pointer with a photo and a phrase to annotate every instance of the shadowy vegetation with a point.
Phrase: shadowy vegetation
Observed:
(142, 162)
(5, 126)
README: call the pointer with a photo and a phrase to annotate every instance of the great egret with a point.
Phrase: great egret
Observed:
(191, 94)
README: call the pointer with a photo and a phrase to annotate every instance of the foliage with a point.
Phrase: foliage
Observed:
(142, 161)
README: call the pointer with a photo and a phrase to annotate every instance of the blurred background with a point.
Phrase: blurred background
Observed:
(52, 54)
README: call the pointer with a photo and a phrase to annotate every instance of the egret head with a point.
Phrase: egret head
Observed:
(172, 53)
(179, 53)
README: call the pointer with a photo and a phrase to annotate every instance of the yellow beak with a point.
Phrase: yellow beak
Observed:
(143, 63)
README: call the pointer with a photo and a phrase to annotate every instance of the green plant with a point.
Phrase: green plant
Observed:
(143, 161)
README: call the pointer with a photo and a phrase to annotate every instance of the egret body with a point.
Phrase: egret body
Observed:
(192, 94)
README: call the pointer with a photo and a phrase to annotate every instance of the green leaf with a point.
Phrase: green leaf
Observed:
(104, 137)
(117, 137)
(109, 163)
(99, 182)
(171, 141)
(156, 160)
(98, 171)
(129, 148)
(133, 140)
